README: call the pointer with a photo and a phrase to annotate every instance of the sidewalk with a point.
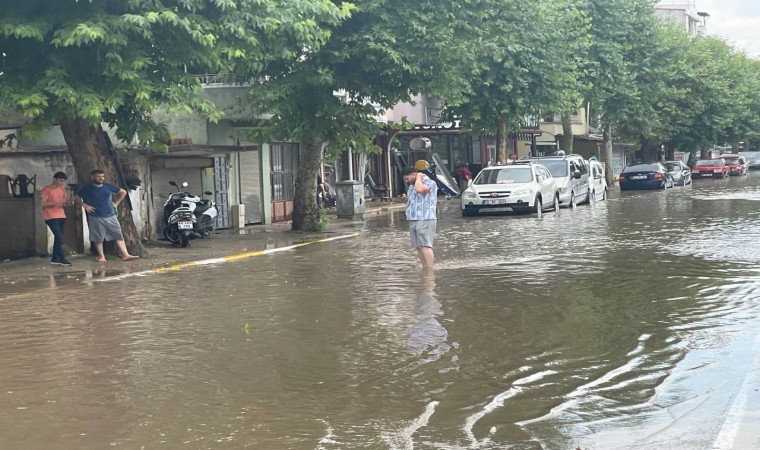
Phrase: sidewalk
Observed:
(31, 273)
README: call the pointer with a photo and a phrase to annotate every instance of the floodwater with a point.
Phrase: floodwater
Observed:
(629, 324)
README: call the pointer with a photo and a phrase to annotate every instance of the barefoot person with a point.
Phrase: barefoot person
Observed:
(98, 201)
(421, 213)
(54, 198)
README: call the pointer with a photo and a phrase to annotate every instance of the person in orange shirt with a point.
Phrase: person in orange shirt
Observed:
(54, 198)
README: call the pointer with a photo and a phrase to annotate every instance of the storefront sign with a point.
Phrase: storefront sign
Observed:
(455, 125)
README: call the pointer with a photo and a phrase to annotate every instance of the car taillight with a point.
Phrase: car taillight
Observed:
(621, 177)
(658, 176)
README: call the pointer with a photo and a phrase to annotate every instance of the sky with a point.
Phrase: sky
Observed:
(736, 20)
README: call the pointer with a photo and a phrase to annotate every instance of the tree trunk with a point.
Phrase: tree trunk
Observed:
(670, 155)
(305, 209)
(502, 139)
(607, 156)
(566, 143)
(649, 151)
(90, 149)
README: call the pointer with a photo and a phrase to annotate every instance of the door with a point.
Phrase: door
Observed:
(250, 186)
(596, 180)
(283, 175)
(579, 185)
(548, 185)
(221, 187)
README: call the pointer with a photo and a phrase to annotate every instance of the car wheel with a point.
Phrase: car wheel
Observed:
(604, 194)
(572, 203)
(556, 203)
(538, 206)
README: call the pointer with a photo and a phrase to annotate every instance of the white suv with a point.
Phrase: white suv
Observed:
(520, 187)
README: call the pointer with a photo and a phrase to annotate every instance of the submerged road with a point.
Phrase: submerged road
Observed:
(630, 324)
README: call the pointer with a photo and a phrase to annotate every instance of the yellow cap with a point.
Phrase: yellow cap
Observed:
(422, 165)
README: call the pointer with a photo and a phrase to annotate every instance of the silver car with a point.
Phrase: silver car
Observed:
(571, 173)
(753, 159)
(679, 171)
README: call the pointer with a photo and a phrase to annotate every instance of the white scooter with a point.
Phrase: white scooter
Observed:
(187, 216)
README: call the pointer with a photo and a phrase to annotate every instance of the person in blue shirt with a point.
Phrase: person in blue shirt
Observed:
(421, 213)
(99, 202)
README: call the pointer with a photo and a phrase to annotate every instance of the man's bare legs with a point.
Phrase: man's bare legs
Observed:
(99, 249)
(120, 245)
(125, 256)
(427, 258)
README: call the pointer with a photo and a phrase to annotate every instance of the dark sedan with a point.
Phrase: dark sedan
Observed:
(645, 176)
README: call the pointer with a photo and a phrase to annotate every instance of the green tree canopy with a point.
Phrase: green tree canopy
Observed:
(386, 52)
(531, 59)
(78, 63)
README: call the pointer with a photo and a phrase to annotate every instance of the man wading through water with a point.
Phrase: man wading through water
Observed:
(421, 213)
(98, 200)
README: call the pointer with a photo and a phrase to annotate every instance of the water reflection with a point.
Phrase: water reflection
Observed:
(427, 334)
(621, 325)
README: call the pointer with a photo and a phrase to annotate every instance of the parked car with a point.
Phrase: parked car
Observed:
(710, 168)
(680, 172)
(597, 181)
(753, 159)
(571, 172)
(645, 176)
(737, 165)
(519, 187)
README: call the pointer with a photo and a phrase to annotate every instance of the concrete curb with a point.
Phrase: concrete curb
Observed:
(221, 260)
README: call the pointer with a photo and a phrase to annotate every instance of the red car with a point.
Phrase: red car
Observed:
(737, 165)
(710, 168)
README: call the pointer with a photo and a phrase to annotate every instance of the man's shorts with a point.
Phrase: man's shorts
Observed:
(422, 232)
(104, 229)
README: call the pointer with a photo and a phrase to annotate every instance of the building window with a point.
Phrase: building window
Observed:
(283, 171)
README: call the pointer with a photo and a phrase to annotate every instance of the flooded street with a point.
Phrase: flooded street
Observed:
(632, 323)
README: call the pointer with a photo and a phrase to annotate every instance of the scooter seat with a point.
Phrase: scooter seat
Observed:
(202, 207)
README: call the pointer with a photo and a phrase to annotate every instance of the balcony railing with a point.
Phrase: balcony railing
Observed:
(575, 119)
(226, 80)
(530, 123)
(674, 3)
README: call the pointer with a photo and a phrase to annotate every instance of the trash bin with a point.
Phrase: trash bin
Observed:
(350, 199)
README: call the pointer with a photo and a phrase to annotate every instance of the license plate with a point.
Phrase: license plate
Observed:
(185, 225)
(706, 174)
(639, 177)
(495, 202)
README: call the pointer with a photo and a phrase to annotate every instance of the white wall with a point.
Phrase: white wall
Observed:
(44, 165)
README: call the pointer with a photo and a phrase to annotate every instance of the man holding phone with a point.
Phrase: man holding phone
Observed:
(54, 198)
(421, 213)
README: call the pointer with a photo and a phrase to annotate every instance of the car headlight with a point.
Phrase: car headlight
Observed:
(520, 192)
(470, 194)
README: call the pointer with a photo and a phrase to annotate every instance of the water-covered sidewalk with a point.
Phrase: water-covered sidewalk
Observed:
(19, 276)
